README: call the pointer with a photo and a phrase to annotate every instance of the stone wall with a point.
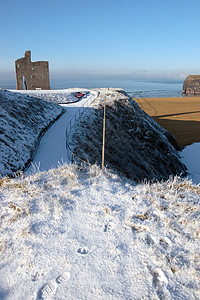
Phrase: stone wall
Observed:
(191, 85)
(31, 75)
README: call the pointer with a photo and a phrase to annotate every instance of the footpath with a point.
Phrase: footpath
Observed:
(52, 148)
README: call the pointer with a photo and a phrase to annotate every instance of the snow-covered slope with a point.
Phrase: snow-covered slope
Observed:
(84, 234)
(22, 121)
(57, 96)
(135, 144)
(191, 158)
(80, 233)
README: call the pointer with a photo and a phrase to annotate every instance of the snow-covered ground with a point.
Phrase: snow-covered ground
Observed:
(52, 150)
(57, 96)
(80, 233)
(23, 120)
(85, 234)
(191, 158)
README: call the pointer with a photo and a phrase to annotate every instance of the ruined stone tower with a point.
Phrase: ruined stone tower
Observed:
(31, 75)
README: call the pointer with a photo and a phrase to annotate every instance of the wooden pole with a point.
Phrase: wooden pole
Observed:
(104, 133)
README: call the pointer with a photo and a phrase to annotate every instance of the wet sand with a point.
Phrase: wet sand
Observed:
(180, 116)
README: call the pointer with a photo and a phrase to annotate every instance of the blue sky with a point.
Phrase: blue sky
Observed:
(138, 38)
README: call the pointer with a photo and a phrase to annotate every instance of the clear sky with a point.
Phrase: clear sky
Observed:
(139, 38)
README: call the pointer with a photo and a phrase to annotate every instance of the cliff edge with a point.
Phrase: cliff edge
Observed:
(191, 85)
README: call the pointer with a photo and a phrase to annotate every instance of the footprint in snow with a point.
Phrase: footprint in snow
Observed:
(106, 227)
(82, 251)
(159, 247)
(149, 240)
(63, 278)
(48, 290)
(159, 282)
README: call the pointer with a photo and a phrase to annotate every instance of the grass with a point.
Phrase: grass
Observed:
(134, 145)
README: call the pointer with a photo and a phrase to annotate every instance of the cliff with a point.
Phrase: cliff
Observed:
(191, 85)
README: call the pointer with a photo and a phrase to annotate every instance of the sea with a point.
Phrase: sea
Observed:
(135, 88)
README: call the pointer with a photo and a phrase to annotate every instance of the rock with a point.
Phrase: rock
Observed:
(191, 85)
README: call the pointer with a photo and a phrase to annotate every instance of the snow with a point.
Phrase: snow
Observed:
(79, 233)
(88, 234)
(22, 123)
(24, 118)
(52, 149)
(57, 96)
(191, 158)
(143, 153)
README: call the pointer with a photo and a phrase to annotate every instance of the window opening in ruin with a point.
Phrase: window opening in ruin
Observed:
(31, 76)
(42, 76)
(33, 69)
(24, 83)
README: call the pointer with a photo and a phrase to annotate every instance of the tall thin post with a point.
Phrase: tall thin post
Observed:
(104, 133)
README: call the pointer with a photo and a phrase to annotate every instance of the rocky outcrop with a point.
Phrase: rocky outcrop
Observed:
(191, 85)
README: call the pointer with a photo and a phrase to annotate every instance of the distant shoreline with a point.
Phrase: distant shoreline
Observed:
(178, 115)
(135, 88)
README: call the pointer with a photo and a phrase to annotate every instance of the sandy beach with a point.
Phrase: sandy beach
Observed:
(180, 116)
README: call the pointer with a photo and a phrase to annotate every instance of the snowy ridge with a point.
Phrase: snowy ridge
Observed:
(23, 120)
(56, 96)
(83, 234)
(135, 144)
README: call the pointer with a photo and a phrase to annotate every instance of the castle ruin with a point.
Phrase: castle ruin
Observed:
(31, 75)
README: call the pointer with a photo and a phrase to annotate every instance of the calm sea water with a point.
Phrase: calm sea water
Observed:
(136, 89)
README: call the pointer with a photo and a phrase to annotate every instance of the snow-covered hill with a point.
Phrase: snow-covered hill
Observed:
(79, 233)
(23, 120)
(135, 144)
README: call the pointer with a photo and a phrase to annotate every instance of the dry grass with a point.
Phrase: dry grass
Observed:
(180, 116)
(4, 180)
(135, 144)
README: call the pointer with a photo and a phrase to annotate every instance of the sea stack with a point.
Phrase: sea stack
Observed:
(191, 85)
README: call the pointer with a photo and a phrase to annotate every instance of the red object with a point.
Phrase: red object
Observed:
(79, 95)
